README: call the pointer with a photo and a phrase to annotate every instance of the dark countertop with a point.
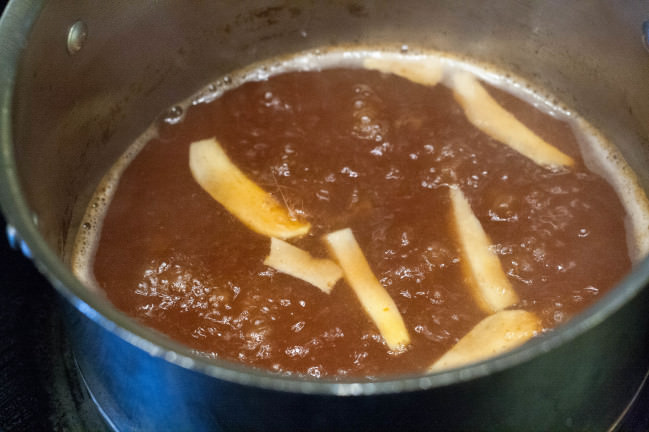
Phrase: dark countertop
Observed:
(40, 388)
(25, 310)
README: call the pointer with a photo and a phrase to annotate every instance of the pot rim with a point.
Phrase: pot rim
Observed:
(15, 24)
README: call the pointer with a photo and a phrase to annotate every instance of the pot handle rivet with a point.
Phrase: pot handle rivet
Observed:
(77, 36)
(645, 34)
(16, 242)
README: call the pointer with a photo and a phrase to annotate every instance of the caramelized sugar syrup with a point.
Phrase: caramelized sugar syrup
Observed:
(342, 146)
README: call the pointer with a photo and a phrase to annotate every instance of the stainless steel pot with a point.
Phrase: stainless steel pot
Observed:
(80, 80)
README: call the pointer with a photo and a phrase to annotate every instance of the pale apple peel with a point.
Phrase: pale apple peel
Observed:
(491, 288)
(322, 273)
(425, 71)
(488, 116)
(496, 334)
(376, 301)
(257, 209)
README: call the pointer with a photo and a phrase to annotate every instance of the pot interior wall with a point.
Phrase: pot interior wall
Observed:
(75, 114)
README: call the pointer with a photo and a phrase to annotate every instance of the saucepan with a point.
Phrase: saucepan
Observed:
(81, 80)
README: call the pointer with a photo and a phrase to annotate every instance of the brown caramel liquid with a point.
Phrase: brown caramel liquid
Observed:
(370, 151)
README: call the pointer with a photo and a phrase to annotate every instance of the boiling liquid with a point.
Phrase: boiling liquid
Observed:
(341, 146)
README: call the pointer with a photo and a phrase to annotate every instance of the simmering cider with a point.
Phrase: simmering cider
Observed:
(362, 213)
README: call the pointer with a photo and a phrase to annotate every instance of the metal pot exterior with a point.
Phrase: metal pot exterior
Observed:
(71, 106)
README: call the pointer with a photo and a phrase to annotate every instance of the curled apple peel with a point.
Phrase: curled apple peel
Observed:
(496, 334)
(256, 208)
(491, 288)
(293, 261)
(373, 297)
(488, 116)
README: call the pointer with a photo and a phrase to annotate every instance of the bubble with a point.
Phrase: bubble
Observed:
(298, 326)
(296, 351)
(323, 195)
(174, 115)
(393, 174)
(349, 172)
(576, 298)
(378, 150)
(314, 371)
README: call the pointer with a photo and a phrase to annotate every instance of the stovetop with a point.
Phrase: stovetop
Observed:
(40, 388)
